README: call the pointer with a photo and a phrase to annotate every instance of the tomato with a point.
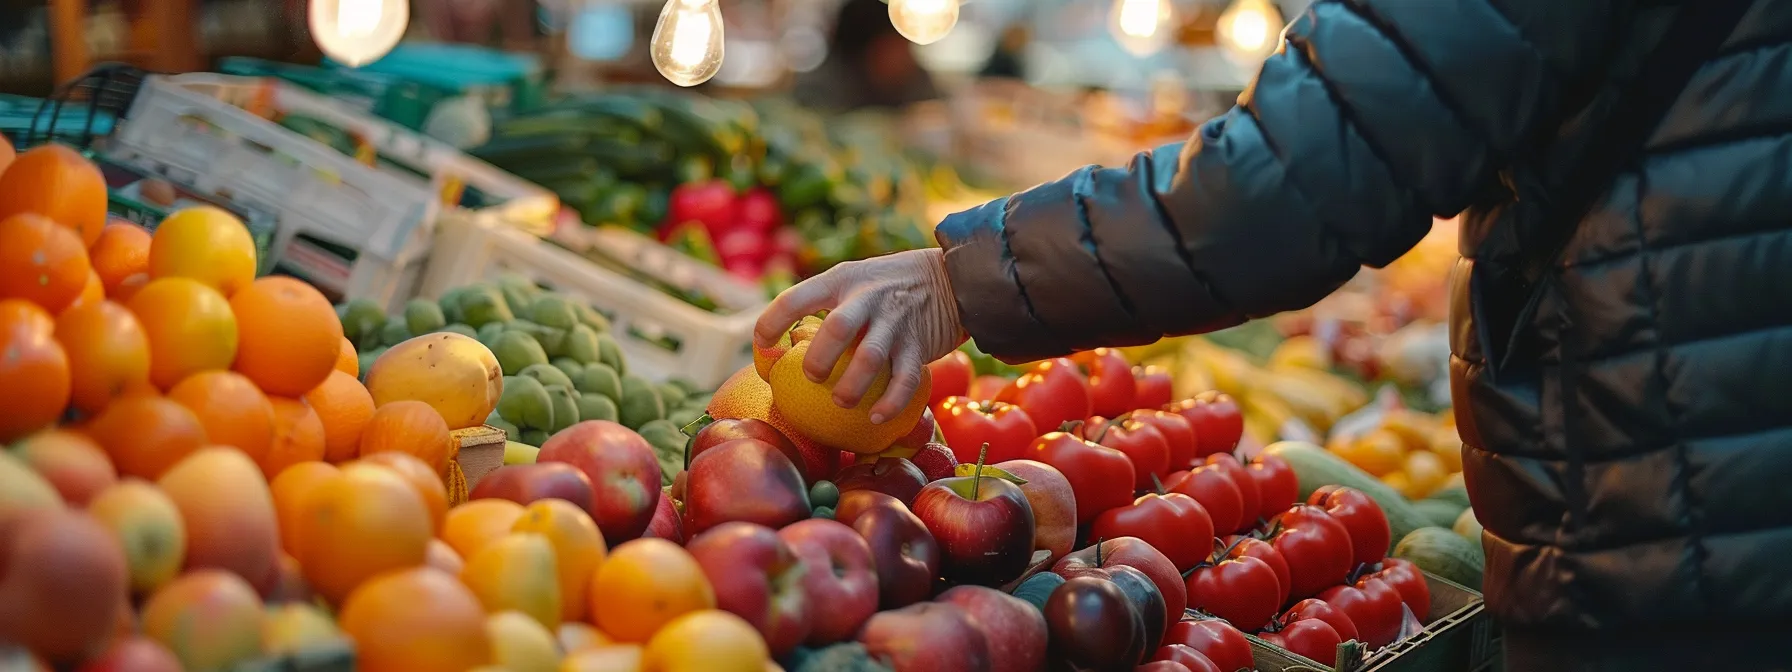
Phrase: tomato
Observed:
(1178, 434)
(1216, 639)
(1242, 590)
(1371, 604)
(1251, 502)
(1216, 493)
(1316, 609)
(1168, 666)
(1218, 422)
(1316, 546)
(1142, 443)
(1312, 638)
(1407, 580)
(967, 424)
(1151, 387)
(985, 388)
(1181, 654)
(1110, 381)
(951, 376)
(1238, 546)
(1174, 524)
(1362, 517)
(1053, 393)
(1277, 486)
(1100, 477)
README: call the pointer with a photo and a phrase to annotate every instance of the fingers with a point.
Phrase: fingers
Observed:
(872, 355)
(905, 380)
(806, 298)
(837, 333)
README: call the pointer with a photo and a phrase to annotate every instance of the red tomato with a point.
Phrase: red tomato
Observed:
(1110, 381)
(1174, 524)
(1184, 655)
(967, 424)
(951, 376)
(1362, 517)
(1215, 492)
(1178, 434)
(1142, 443)
(1317, 609)
(1277, 486)
(1316, 546)
(1371, 604)
(1247, 487)
(1313, 639)
(1216, 639)
(1168, 666)
(1407, 580)
(1217, 420)
(985, 388)
(1151, 387)
(1100, 477)
(1241, 590)
(1238, 546)
(1053, 393)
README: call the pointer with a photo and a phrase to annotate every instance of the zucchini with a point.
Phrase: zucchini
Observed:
(1444, 553)
(1455, 494)
(1315, 468)
(1440, 512)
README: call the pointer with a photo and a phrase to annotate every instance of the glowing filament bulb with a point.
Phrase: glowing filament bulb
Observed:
(687, 41)
(1140, 26)
(1247, 29)
(924, 21)
(358, 32)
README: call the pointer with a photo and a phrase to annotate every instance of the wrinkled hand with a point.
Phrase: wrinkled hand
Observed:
(903, 305)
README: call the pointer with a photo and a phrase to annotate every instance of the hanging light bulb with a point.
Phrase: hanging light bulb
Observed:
(1247, 30)
(358, 32)
(1142, 27)
(687, 41)
(923, 21)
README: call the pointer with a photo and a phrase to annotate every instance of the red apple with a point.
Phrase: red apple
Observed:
(1013, 629)
(135, 653)
(853, 504)
(893, 476)
(729, 429)
(983, 525)
(1100, 476)
(1054, 505)
(921, 435)
(839, 577)
(1178, 435)
(1152, 387)
(935, 461)
(624, 473)
(1093, 625)
(902, 550)
(1146, 600)
(926, 637)
(951, 376)
(665, 523)
(677, 489)
(526, 483)
(746, 480)
(757, 577)
(1143, 445)
(985, 388)
(1135, 553)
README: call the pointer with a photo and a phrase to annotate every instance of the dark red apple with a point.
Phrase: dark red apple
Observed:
(1147, 601)
(1135, 553)
(902, 550)
(839, 578)
(744, 480)
(984, 527)
(893, 476)
(854, 503)
(526, 483)
(1014, 630)
(729, 429)
(665, 523)
(926, 637)
(1093, 625)
(757, 577)
(624, 473)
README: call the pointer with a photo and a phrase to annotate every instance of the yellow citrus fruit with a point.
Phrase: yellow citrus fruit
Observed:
(516, 572)
(578, 548)
(810, 406)
(189, 326)
(206, 244)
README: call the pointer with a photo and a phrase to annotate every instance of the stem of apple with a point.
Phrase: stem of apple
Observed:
(977, 474)
(1098, 543)
(1157, 484)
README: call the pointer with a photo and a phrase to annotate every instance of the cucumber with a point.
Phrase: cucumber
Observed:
(1454, 494)
(1444, 553)
(1441, 513)
(1315, 468)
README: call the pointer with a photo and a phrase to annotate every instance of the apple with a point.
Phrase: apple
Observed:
(856, 502)
(926, 637)
(757, 577)
(984, 527)
(935, 461)
(893, 476)
(1161, 666)
(839, 577)
(1092, 624)
(134, 653)
(1013, 629)
(921, 435)
(1135, 553)
(746, 480)
(1147, 601)
(729, 429)
(677, 489)
(1053, 502)
(903, 552)
(665, 523)
(624, 473)
(527, 483)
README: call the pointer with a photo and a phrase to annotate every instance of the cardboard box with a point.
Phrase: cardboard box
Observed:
(1459, 637)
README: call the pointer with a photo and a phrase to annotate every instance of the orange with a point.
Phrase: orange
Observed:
(1425, 471)
(34, 370)
(1380, 452)
(107, 352)
(604, 658)
(707, 641)
(415, 620)
(190, 329)
(233, 411)
(442, 556)
(206, 244)
(578, 548)
(517, 572)
(92, 291)
(428, 485)
(344, 406)
(288, 336)
(290, 489)
(128, 287)
(41, 262)
(6, 154)
(645, 584)
(575, 637)
(56, 182)
(365, 521)
(121, 252)
(298, 436)
(470, 526)
(145, 435)
(346, 359)
(410, 427)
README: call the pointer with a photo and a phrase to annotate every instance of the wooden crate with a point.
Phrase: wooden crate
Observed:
(1460, 637)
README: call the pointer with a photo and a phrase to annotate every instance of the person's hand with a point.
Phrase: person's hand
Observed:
(902, 303)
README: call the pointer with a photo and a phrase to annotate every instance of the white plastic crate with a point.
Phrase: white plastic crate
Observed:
(704, 347)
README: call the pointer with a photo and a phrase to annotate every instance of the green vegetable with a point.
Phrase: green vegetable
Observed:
(423, 317)
(602, 380)
(1037, 588)
(1315, 467)
(526, 404)
(591, 318)
(671, 395)
(517, 351)
(394, 332)
(824, 493)
(553, 341)
(594, 406)
(547, 374)
(566, 406)
(489, 333)
(535, 437)
(555, 311)
(843, 657)
(361, 322)
(461, 329)
(484, 305)
(668, 446)
(1444, 553)
(610, 353)
(823, 512)
(1454, 494)
(684, 416)
(1441, 513)
(581, 344)
(640, 403)
(511, 431)
(570, 367)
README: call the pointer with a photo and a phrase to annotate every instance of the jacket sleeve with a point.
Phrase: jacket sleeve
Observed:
(1372, 117)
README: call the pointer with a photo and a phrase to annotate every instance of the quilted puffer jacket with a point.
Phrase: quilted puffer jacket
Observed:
(1638, 511)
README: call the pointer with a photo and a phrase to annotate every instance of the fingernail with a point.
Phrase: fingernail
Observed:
(878, 418)
(812, 377)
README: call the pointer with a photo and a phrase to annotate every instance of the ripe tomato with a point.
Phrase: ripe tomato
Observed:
(1181, 654)
(1316, 609)
(1142, 443)
(1316, 546)
(1312, 638)
(951, 376)
(1277, 486)
(1100, 477)
(1407, 580)
(1110, 381)
(1216, 639)
(1251, 501)
(1217, 420)
(1053, 393)
(1151, 387)
(1178, 434)
(1362, 517)
(985, 388)
(1241, 590)
(1168, 666)
(1216, 493)
(1238, 546)
(968, 424)
(1372, 605)
(1174, 524)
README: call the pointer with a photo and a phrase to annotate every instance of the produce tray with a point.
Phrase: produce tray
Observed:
(481, 451)
(1461, 637)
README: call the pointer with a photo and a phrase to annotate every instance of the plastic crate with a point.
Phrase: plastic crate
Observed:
(1460, 637)
(661, 336)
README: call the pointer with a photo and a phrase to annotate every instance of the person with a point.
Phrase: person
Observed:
(1625, 403)
(869, 65)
